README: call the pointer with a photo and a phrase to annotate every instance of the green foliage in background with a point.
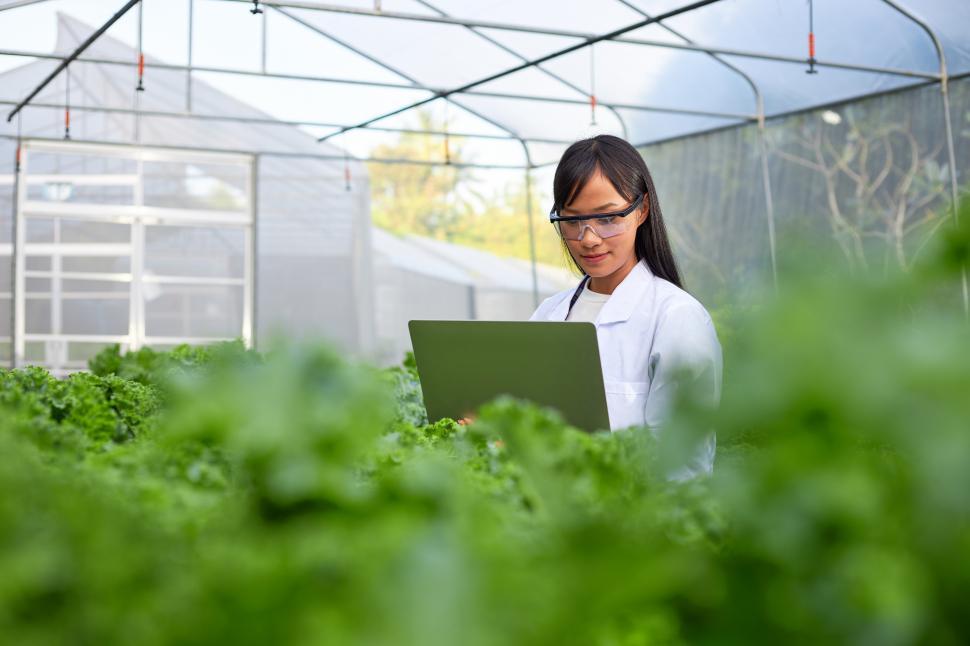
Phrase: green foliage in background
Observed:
(447, 202)
(215, 495)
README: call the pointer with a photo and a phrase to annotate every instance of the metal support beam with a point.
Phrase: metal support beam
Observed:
(20, 3)
(289, 154)
(382, 84)
(532, 236)
(286, 122)
(532, 63)
(188, 71)
(77, 52)
(549, 73)
(416, 83)
(313, 6)
(413, 81)
(948, 127)
(762, 138)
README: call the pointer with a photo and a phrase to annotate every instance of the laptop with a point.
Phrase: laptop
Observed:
(464, 364)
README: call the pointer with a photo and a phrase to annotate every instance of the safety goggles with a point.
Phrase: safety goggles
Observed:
(604, 225)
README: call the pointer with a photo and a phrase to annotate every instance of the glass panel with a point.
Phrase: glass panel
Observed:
(194, 251)
(194, 311)
(75, 231)
(81, 351)
(63, 189)
(179, 185)
(37, 263)
(95, 315)
(97, 264)
(39, 230)
(107, 288)
(37, 315)
(5, 316)
(35, 351)
(80, 178)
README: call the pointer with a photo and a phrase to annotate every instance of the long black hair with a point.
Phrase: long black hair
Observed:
(623, 166)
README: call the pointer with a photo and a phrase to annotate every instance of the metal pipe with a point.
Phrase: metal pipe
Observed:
(532, 236)
(834, 105)
(16, 4)
(188, 71)
(252, 239)
(413, 81)
(287, 122)
(289, 154)
(762, 138)
(948, 128)
(542, 59)
(18, 186)
(262, 60)
(384, 84)
(548, 73)
(582, 35)
(77, 52)
(19, 282)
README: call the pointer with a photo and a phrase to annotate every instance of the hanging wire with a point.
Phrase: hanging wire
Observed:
(255, 10)
(377, 6)
(811, 38)
(347, 185)
(592, 86)
(141, 52)
(20, 150)
(67, 102)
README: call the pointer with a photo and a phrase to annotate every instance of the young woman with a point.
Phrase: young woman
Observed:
(654, 337)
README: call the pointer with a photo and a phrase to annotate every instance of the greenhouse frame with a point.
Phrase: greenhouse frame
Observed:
(757, 131)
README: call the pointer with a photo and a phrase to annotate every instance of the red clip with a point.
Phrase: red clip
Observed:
(20, 156)
(811, 45)
(141, 72)
(592, 101)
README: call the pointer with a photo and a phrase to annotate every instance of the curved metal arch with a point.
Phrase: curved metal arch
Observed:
(407, 77)
(948, 127)
(531, 63)
(542, 69)
(512, 133)
(762, 139)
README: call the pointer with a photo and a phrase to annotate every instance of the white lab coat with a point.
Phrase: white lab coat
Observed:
(649, 331)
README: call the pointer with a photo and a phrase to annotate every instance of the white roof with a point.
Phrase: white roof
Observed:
(465, 265)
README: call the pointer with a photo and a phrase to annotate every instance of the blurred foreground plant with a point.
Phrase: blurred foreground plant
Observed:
(216, 496)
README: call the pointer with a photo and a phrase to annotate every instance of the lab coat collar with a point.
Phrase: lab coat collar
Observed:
(622, 303)
(627, 295)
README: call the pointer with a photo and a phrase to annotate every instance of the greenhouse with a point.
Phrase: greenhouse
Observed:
(259, 199)
(436, 322)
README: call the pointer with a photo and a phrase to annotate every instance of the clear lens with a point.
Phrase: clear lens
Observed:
(602, 227)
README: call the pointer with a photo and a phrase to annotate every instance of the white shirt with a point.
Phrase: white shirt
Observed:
(588, 305)
(652, 336)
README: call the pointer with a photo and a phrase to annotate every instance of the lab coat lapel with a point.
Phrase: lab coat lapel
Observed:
(559, 312)
(627, 296)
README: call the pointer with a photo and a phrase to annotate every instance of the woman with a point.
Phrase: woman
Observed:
(653, 336)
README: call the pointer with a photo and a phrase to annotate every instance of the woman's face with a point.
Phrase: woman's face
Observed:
(601, 257)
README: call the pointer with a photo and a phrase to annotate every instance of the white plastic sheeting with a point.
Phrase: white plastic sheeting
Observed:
(635, 74)
(422, 278)
(313, 261)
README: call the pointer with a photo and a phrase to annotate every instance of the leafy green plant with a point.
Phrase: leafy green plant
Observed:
(296, 498)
